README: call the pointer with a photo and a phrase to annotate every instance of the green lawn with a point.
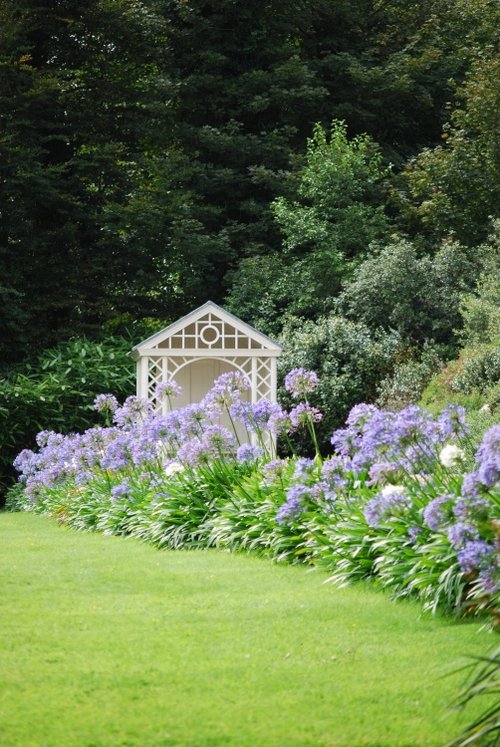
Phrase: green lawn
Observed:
(106, 642)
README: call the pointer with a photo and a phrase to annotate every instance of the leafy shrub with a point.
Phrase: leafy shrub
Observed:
(337, 211)
(481, 310)
(349, 359)
(408, 380)
(439, 392)
(474, 379)
(53, 392)
(418, 296)
(480, 370)
(264, 290)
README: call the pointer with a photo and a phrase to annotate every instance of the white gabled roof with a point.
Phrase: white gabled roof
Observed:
(201, 311)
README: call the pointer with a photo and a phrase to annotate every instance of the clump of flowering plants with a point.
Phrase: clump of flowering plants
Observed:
(396, 503)
(424, 526)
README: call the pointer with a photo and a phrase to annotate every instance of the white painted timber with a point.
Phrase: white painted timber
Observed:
(201, 346)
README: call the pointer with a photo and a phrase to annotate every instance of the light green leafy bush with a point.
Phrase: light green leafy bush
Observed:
(417, 296)
(327, 227)
(408, 380)
(474, 378)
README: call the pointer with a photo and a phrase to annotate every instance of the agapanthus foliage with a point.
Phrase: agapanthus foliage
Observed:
(392, 503)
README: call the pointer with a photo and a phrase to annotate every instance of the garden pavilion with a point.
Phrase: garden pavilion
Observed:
(201, 346)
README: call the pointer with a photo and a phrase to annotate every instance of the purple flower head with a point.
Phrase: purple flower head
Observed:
(360, 415)
(386, 504)
(333, 472)
(167, 389)
(106, 403)
(143, 448)
(274, 470)
(83, 476)
(477, 555)
(227, 389)
(248, 453)
(380, 471)
(193, 452)
(187, 422)
(300, 382)
(293, 506)
(255, 417)
(413, 425)
(470, 485)
(371, 442)
(373, 511)
(121, 491)
(321, 491)
(117, 454)
(452, 422)
(438, 512)
(242, 411)
(489, 449)
(489, 473)
(406, 440)
(304, 467)
(345, 441)
(303, 414)
(262, 412)
(154, 428)
(461, 533)
(218, 439)
(471, 508)
(60, 459)
(26, 462)
(414, 532)
(44, 437)
(133, 410)
(93, 444)
(279, 422)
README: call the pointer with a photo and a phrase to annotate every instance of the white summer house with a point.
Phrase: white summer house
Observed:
(201, 346)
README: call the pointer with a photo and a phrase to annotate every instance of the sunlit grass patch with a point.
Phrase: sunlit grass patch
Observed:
(110, 643)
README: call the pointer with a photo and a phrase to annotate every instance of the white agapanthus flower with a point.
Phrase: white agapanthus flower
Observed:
(451, 455)
(388, 490)
(172, 468)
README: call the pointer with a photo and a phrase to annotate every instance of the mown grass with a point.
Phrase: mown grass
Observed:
(109, 643)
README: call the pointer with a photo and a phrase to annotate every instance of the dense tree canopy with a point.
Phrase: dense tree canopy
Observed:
(154, 153)
(80, 91)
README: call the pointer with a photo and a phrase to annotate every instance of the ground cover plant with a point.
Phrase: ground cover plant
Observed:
(107, 642)
(405, 501)
(483, 686)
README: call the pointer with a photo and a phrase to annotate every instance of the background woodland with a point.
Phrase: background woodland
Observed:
(328, 171)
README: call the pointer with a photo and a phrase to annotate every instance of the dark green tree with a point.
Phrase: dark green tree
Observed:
(390, 67)
(80, 89)
(454, 189)
(245, 99)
